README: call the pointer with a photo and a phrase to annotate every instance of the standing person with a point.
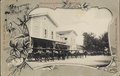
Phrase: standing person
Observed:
(40, 56)
(67, 54)
(48, 53)
(59, 54)
(63, 54)
(52, 54)
(85, 53)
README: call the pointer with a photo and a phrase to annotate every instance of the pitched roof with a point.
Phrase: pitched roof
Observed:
(66, 32)
(38, 12)
(50, 18)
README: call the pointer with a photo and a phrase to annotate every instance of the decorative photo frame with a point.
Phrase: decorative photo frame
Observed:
(60, 38)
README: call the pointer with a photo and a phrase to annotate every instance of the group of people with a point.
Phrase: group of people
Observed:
(51, 55)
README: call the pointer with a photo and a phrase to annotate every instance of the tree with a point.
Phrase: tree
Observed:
(104, 43)
(95, 45)
(88, 41)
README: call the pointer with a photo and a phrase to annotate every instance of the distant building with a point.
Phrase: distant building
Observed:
(69, 37)
(79, 48)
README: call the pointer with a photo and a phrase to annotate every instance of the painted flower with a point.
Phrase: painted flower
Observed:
(16, 61)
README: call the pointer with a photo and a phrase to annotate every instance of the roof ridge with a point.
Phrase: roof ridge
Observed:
(66, 32)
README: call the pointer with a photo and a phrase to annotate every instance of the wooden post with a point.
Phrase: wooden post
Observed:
(54, 45)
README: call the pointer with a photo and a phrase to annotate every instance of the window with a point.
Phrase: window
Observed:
(65, 38)
(52, 34)
(45, 33)
(60, 34)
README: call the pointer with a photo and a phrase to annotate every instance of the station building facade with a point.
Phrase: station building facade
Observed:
(44, 34)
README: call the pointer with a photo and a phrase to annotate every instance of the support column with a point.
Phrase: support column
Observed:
(54, 45)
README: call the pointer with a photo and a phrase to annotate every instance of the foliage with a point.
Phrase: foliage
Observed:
(94, 45)
(19, 37)
(68, 4)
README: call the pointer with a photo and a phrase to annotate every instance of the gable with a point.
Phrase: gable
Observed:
(48, 20)
(45, 15)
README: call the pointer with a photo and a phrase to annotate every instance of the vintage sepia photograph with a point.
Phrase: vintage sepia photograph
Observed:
(60, 38)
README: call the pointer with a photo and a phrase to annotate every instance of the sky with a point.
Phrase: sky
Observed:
(93, 20)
